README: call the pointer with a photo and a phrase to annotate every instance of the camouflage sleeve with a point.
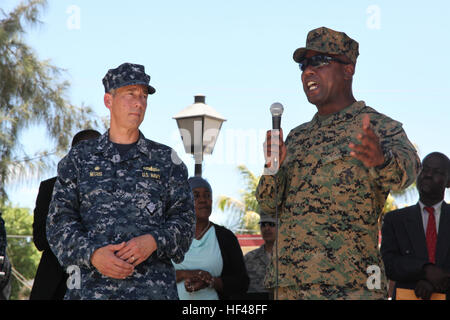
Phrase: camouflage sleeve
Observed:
(401, 160)
(274, 184)
(175, 235)
(66, 235)
(268, 187)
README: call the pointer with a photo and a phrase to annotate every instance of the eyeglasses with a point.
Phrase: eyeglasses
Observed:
(265, 224)
(318, 61)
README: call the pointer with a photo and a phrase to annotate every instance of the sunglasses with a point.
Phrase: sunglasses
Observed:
(318, 61)
(265, 224)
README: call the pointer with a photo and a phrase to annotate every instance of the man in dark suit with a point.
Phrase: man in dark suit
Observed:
(50, 280)
(416, 240)
(5, 265)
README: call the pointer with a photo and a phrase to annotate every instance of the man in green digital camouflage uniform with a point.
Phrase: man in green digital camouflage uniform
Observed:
(257, 260)
(333, 178)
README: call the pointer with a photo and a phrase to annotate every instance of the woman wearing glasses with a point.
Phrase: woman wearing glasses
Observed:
(213, 268)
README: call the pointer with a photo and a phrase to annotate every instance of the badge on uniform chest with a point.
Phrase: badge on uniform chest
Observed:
(96, 173)
(150, 172)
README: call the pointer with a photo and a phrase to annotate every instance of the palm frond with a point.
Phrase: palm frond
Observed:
(225, 203)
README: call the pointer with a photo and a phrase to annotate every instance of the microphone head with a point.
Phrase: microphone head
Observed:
(276, 109)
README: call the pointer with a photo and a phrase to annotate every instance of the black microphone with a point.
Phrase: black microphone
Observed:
(276, 109)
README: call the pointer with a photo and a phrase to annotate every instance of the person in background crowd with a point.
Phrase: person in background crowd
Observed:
(214, 267)
(415, 240)
(258, 260)
(50, 280)
(5, 265)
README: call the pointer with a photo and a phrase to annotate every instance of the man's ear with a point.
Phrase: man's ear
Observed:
(107, 99)
(349, 71)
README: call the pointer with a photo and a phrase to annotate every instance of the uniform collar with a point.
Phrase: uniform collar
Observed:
(346, 114)
(106, 147)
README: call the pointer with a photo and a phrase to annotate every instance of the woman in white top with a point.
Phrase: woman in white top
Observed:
(213, 268)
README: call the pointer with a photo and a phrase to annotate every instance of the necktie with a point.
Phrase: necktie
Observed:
(431, 234)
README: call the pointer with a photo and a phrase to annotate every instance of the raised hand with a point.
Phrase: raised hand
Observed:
(369, 152)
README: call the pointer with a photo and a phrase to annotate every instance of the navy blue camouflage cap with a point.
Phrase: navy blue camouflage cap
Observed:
(199, 182)
(127, 74)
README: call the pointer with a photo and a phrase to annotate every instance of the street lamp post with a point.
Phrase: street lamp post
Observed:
(199, 126)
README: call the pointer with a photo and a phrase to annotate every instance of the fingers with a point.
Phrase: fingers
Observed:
(198, 274)
(130, 254)
(275, 133)
(119, 269)
(369, 151)
(204, 276)
(137, 250)
(419, 292)
(366, 122)
(197, 279)
(369, 142)
(193, 285)
(274, 148)
(115, 247)
(105, 261)
(274, 139)
(423, 290)
(135, 261)
(125, 253)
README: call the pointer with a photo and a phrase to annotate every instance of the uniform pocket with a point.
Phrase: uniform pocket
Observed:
(149, 200)
(96, 183)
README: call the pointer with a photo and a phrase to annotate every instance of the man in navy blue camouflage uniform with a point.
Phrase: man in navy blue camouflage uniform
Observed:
(122, 208)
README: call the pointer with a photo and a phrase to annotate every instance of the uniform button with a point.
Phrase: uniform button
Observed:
(407, 252)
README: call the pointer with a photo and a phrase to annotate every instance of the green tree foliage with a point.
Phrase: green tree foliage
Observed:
(21, 251)
(32, 93)
(247, 207)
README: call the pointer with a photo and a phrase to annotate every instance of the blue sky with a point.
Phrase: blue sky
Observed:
(239, 54)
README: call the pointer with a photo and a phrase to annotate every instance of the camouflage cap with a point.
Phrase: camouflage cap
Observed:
(326, 40)
(263, 217)
(125, 75)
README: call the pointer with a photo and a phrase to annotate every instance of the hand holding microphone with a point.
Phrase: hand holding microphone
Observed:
(274, 147)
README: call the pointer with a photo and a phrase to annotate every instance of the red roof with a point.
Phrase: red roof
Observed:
(250, 240)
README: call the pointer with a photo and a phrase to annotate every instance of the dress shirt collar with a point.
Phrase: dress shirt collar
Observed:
(437, 214)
